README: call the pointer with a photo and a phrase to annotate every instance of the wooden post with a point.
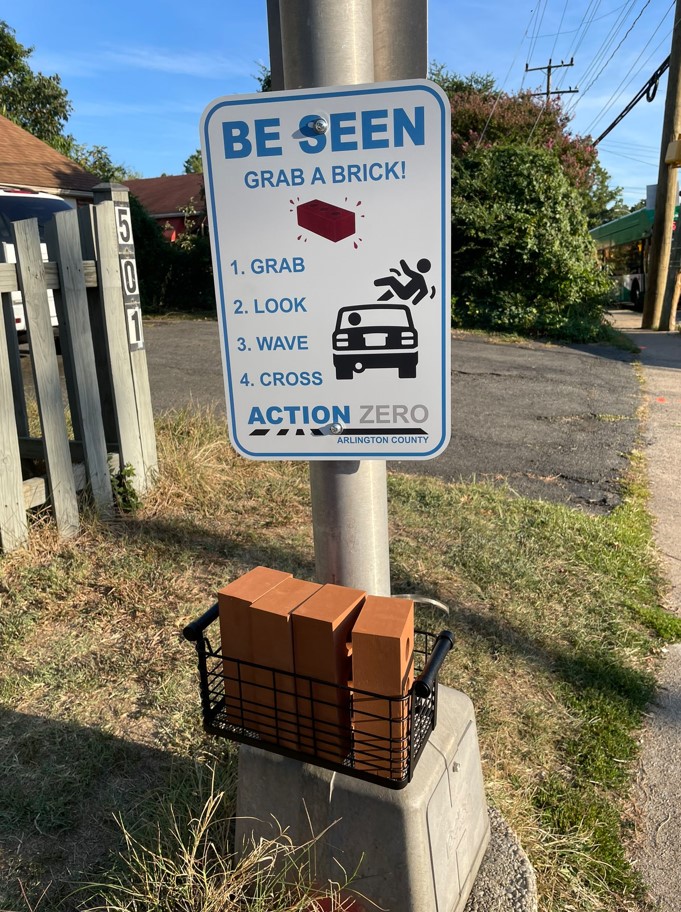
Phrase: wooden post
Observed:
(86, 215)
(31, 275)
(117, 194)
(14, 356)
(125, 407)
(13, 525)
(65, 345)
(75, 324)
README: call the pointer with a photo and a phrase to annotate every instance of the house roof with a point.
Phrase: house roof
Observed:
(26, 161)
(167, 196)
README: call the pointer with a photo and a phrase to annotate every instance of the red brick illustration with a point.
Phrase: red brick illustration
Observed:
(273, 647)
(234, 601)
(321, 630)
(382, 663)
(325, 219)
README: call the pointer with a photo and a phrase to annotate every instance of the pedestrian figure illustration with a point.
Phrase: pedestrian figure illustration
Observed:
(415, 289)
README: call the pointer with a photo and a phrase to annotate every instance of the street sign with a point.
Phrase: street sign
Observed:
(329, 220)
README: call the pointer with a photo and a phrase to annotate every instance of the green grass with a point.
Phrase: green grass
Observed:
(558, 619)
(607, 335)
(179, 316)
(559, 627)
(618, 339)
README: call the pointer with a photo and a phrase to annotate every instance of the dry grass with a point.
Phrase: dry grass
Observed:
(558, 628)
(188, 866)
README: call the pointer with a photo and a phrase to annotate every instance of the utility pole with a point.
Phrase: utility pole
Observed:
(673, 283)
(667, 189)
(551, 66)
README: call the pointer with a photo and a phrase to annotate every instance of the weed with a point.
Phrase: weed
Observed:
(125, 496)
(189, 865)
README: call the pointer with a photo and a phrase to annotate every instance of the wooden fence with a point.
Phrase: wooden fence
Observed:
(93, 276)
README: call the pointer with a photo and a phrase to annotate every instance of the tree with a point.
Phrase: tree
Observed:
(41, 106)
(453, 84)
(194, 164)
(36, 102)
(96, 160)
(483, 116)
(264, 78)
(522, 256)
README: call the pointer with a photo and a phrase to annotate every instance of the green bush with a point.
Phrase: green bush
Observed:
(522, 258)
(172, 276)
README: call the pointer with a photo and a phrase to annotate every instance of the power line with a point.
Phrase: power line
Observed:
(588, 17)
(627, 81)
(540, 19)
(648, 92)
(605, 46)
(515, 56)
(508, 73)
(629, 144)
(587, 25)
(631, 158)
(560, 25)
(617, 94)
(626, 35)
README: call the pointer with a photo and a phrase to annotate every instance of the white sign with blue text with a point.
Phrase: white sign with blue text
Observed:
(329, 220)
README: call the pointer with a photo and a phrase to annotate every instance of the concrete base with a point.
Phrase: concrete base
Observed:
(415, 850)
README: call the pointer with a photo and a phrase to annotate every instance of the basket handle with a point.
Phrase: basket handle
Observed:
(425, 683)
(194, 630)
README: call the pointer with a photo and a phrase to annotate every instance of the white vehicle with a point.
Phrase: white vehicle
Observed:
(15, 206)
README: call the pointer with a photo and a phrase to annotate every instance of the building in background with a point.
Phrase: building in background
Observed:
(28, 163)
(173, 200)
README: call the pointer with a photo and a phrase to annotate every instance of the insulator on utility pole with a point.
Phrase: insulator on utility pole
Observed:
(548, 69)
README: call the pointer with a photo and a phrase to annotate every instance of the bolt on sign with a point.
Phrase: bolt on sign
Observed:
(329, 220)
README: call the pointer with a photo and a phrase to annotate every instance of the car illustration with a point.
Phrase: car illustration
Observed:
(375, 336)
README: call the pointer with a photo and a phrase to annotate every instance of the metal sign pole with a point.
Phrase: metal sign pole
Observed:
(274, 35)
(330, 42)
(400, 39)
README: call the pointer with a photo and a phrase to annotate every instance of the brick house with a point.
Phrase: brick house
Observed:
(167, 198)
(28, 163)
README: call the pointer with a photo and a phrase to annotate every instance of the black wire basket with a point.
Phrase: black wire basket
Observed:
(371, 736)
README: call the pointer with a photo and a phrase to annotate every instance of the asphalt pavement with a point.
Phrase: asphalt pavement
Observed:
(553, 422)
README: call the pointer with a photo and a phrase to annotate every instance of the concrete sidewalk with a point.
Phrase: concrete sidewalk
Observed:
(656, 796)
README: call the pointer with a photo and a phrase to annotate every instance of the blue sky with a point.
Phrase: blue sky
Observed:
(140, 75)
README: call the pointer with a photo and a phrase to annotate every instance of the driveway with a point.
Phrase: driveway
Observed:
(553, 422)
